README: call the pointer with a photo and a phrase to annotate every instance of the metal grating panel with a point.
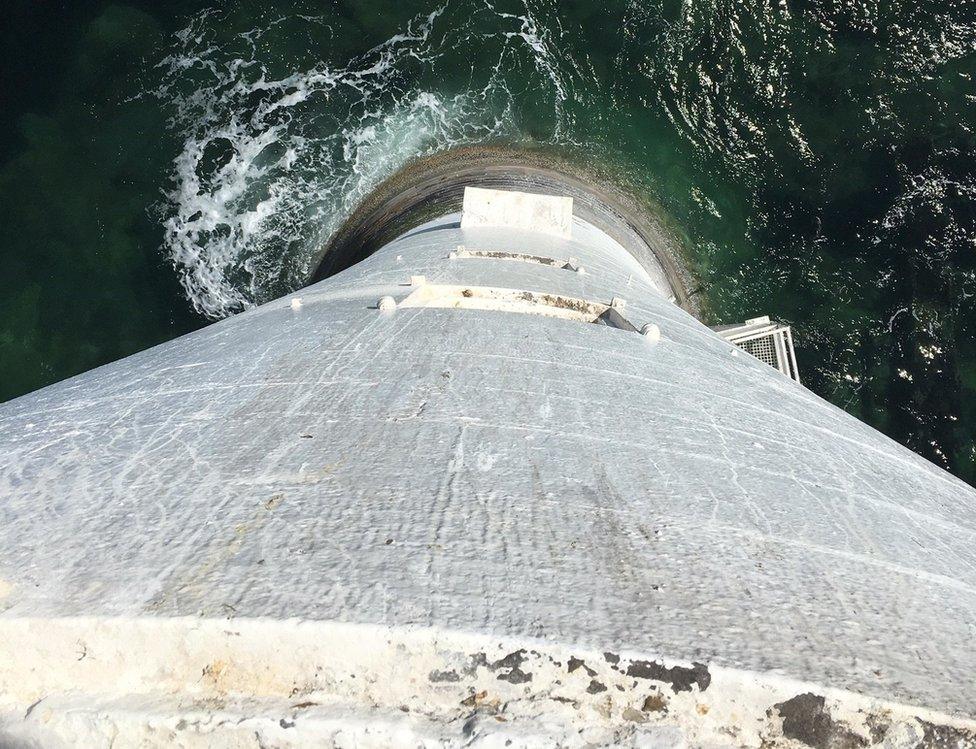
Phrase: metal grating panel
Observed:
(763, 349)
(770, 342)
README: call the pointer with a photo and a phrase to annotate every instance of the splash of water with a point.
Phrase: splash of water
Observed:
(272, 164)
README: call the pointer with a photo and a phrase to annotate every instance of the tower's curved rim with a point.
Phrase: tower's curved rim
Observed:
(431, 187)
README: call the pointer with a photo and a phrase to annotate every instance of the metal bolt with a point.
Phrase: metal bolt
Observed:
(651, 332)
(296, 304)
(386, 304)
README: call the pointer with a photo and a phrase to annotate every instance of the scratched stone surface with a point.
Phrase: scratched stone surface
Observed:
(494, 472)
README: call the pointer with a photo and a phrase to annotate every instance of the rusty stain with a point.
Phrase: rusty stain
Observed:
(474, 699)
(655, 703)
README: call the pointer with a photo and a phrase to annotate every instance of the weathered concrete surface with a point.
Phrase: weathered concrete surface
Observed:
(512, 481)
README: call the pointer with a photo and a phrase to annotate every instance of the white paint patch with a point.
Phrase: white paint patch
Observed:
(546, 214)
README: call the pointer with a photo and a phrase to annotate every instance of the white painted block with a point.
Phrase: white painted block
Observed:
(547, 214)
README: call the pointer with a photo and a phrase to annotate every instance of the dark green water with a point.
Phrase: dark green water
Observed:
(162, 166)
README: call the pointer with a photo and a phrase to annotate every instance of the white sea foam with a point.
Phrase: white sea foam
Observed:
(271, 165)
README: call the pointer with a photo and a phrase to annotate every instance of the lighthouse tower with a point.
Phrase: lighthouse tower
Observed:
(491, 486)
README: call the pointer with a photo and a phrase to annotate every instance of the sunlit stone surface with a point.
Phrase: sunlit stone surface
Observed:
(323, 521)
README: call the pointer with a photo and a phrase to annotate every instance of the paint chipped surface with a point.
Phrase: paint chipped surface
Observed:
(331, 684)
(806, 720)
(680, 678)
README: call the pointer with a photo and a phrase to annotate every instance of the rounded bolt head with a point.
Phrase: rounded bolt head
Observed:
(296, 303)
(651, 332)
(386, 304)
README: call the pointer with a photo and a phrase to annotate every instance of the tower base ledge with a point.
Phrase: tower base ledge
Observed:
(252, 682)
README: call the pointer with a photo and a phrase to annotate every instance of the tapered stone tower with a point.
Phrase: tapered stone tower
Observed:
(489, 486)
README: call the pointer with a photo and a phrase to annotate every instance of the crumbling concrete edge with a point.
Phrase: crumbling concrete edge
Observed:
(156, 681)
